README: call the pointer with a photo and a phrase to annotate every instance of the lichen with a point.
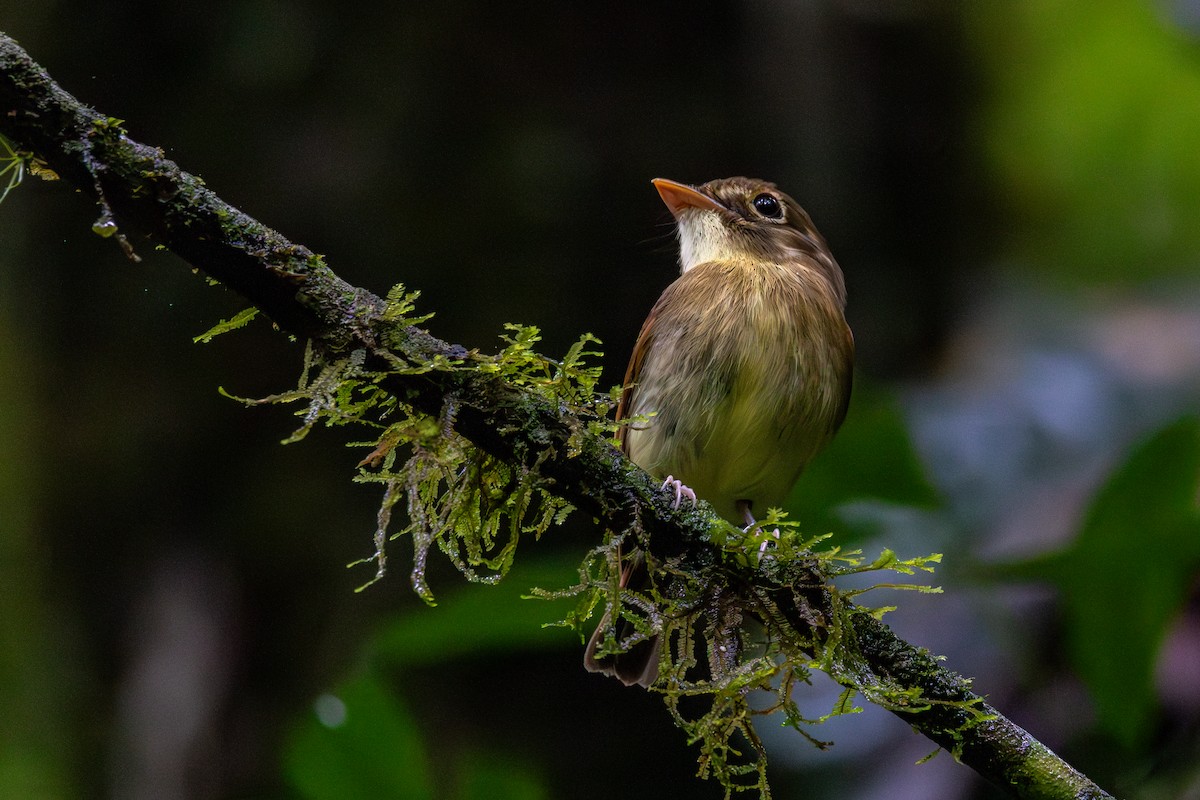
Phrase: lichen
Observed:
(740, 634)
(737, 632)
(471, 506)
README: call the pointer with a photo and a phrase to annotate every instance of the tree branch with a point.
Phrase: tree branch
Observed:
(136, 186)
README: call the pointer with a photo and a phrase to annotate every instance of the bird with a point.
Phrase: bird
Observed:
(742, 371)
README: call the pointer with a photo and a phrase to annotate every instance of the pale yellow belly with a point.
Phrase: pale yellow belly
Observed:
(739, 394)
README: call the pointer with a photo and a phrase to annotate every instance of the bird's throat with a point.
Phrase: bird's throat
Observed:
(703, 237)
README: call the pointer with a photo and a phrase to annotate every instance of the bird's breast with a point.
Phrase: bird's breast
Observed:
(743, 381)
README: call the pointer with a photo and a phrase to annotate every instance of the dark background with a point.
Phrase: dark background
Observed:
(1012, 189)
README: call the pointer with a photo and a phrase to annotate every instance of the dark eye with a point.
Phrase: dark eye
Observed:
(768, 205)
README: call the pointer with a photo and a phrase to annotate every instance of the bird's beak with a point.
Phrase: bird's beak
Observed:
(679, 196)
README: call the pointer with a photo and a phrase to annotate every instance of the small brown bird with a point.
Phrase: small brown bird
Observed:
(742, 371)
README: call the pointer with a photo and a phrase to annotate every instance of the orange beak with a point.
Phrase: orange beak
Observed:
(679, 196)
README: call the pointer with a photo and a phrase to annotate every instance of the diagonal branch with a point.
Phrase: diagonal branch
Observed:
(135, 186)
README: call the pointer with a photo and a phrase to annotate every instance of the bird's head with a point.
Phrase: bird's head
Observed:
(745, 219)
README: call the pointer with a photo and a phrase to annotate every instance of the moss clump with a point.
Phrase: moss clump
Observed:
(737, 631)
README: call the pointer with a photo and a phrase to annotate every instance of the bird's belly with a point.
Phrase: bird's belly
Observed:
(734, 424)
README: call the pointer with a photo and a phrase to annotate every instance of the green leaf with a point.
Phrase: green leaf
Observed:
(1128, 573)
(488, 777)
(360, 742)
(476, 618)
(872, 457)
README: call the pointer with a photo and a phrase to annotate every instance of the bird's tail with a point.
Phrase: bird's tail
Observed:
(638, 664)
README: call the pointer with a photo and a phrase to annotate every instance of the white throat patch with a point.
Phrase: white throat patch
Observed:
(703, 237)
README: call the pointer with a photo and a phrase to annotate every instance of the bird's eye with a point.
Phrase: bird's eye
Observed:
(768, 205)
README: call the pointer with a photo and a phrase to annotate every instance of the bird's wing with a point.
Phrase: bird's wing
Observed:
(847, 378)
(633, 374)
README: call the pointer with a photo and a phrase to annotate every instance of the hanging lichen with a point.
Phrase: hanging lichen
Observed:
(737, 633)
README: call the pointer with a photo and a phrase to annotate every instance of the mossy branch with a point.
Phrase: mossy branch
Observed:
(137, 189)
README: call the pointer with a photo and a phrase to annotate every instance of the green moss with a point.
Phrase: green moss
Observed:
(238, 320)
(739, 628)
(15, 163)
(472, 507)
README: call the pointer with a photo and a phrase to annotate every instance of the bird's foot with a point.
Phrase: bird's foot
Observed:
(772, 540)
(769, 541)
(681, 491)
(748, 518)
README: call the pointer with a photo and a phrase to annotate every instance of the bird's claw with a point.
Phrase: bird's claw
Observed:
(762, 548)
(681, 491)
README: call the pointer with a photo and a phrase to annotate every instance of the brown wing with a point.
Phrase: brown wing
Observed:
(633, 373)
(847, 379)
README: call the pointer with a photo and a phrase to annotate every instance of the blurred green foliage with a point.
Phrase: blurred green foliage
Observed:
(366, 742)
(35, 693)
(375, 747)
(1127, 574)
(475, 619)
(1091, 130)
(375, 750)
(871, 458)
